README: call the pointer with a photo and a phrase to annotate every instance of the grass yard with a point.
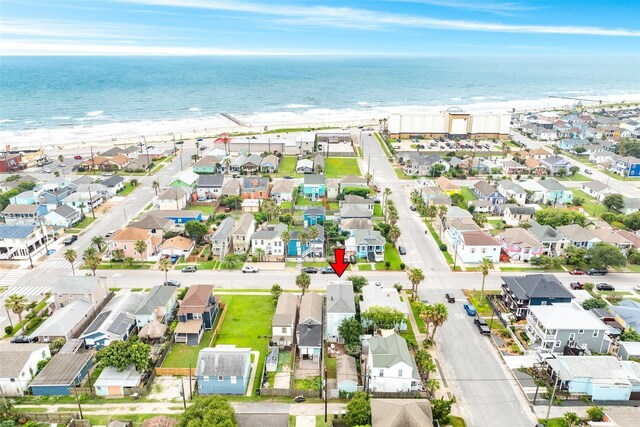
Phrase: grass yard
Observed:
(336, 167)
(286, 205)
(314, 383)
(182, 355)
(577, 177)
(400, 173)
(446, 254)
(288, 167)
(247, 324)
(553, 422)
(127, 189)
(391, 255)
(82, 224)
(365, 267)
(409, 335)
(590, 203)
(474, 297)
(497, 224)
(468, 196)
(330, 363)
(456, 421)
(383, 145)
(136, 265)
(422, 328)
(377, 209)
(531, 269)
(137, 419)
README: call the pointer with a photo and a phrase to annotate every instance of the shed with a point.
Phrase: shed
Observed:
(62, 372)
(271, 362)
(113, 383)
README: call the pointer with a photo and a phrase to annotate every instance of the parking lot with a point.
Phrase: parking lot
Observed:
(446, 145)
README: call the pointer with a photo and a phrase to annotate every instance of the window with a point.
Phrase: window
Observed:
(197, 315)
(543, 303)
(284, 330)
(558, 343)
(233, 379)
(220, 378)
(581, 331)
(381, 373)
(473, 250)
(596, 333)
(124, 246)
(400, 372)
(205, 378)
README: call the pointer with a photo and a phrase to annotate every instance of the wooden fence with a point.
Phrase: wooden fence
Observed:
(160, 371)
(289, 392)
(50, 417)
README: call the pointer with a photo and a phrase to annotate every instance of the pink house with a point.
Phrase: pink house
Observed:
(520, 244)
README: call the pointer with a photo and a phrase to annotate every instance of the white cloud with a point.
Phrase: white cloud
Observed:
(502, 8)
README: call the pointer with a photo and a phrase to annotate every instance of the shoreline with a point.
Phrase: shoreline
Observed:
(206, 127)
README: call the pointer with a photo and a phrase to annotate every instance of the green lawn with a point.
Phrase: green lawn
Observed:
(314, 383)
(137, 419)
(497, 224)
(553, 422)
(248, 324)
(82, 224)
(577, 177)
(468, 196)
(182, 355)
(288, 166)
(136, 265)
(400, 173)
(365, 267)
(542, 270)
(336, 167)
(330, 363)
(434, 234)
(391, 255)
(408, 335)
(377, 210)
(456, 421)
(421, 326)
(590, 203)
(127, 189)
(474, 297)
(383, 145)
(286, 205)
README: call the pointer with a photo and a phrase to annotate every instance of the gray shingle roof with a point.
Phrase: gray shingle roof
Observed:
(340, 297)
(354, 212)
(286, 309)
(224, 229)
(311, 308)
(270, 232)
(223, 361)
(537, 286)
(13, 357)
(64, 319)
(211, 181)
(255, 184)
(112, 181)
(552, 185)
(159, 296)
(390, 350)
(369, 237)
(66, 211)
(314, 179)
(309, 335)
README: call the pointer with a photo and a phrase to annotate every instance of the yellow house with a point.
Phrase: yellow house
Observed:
(447, 187)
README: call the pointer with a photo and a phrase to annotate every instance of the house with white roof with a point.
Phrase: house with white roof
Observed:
(113, 383)
(376, 295)
(597, 189)
(66, 322)
(173, 198)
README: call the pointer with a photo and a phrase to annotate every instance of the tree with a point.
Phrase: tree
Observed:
(17, 304)
(441, 409)
(594, 303)
(595, 413)
(385, 195)
(206, 411)
(358, 410)
(545, 261)
(98, 241)
(129, 260)
(603, 255)
(121, 354)
(632, 221)
(286, 237)
(141, 247)
(614, 202)
(233, 202)
(358, 282)
(350, 330)
(71, 255)
(156, 186)
(574, 170)
(92, 260)
(485, 266)
(416, 276)
(259, 254)
(480, 219)
(165, 266)
(276, 291)
(575, 256)
(394, 234)
(456, 199)
(432, 211)
(630, 335)
(571, 418)
(556, 217)
(42, 364)
(117, 255)
(303, 280)
(134, 182)
(432, 385)
(383, 317)
(439, 315)
(425, 362)
(196, 229)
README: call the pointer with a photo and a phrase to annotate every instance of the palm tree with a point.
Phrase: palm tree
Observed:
(129, 260)
(227, 163)
(141, 247)
(259, 254)
(165, 265)
(304, 238)
(368, 177)
(71, 255)
(303, 280)
(285, 237)
(89, 252)
(134, 182)
(484, 267)
(433, 385)
(81, 206)
(117, 254)
(432, 211)
(385, 194)
(394, 234)
(224, 138)
(61, 158)
(313, 235)
(156, 186)
(425, 311)
(438, 317)
(442, 211)
(97, 241)
(17, 304)
(416, 276)
(197, 150)
(93, 262)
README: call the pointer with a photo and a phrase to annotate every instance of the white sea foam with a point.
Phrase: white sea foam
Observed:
(456, 99)
(297, 106)
(94, 113)
(61, 118)
(194, 109)
(7, 121)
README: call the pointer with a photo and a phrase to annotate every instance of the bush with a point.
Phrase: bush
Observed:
(443, 247)
(398, 287)
(427, 342)
(595, 413)
(387, 265)
(402, 266)
(8, 329)
(210, 257)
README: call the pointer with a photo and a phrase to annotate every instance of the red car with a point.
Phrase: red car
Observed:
(576, 285)
(77, 157)
(577, 272)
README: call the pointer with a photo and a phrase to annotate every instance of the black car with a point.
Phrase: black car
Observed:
(310, 270)
(450, 298)
(23, 339)
(327, 270)
(69, 240)
(172, 283)
(482, 325)
(605, 287)
(413, 208)
(597, 272)
(402, 250)
(288, 177)
(352, 259)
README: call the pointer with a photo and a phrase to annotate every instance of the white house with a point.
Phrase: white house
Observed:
(173, 198)
(282, 190)
(19, 242)
(241, 234)
(340, 305)
(473, 246)
(597, 189)
(284, 320)
(64, 216)
(304, 166)
(269, 239)
(390, 366)
(18, 366)
(511, 190)
(221, 238)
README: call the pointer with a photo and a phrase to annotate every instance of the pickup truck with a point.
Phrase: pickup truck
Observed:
(482, 325)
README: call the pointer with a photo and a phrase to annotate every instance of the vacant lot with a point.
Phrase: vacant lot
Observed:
(336, 167)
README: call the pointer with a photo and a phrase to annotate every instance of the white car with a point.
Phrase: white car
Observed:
(636, 288)
(46, 170)
(249, 269)
(107, 174)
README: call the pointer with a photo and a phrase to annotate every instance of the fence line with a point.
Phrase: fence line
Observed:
(174, 371)
(50, 417)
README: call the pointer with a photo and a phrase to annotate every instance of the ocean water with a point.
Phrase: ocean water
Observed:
(83, 94)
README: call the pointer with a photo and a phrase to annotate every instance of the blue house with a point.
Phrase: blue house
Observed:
(571, 144)
(178, 217)
(63, 372)
(367, 244)
(53, 197)
(115, 322)
(223, 369)
(485, 191)
(556, 193)
(24, 198)
(518, 293)
(310, 249)
(197, 313)
(314, 216)
(314, 187)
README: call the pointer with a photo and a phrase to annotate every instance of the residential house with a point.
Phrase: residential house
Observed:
(251, 205)
(309, 330)
(352, 200)
(255, 188)
(515, 215)
(333, 136)
(89, 288)
(269, 240)
(556, 193)
(631, 205)
(597, 377)
(126, 239)
(602, 157)
(631, 237)
(553, 327)
(269, 163)
(628, 349)
(315, 215)
(354, 212)
(597, 189)
(346, 374)
(544, 134)
(24, 198)
(197, 312)
(473, 246)
(340, 306)
(536, 192)
(207, 165)
(485, 191)
(519, 293)
(512, 191)
(519, 244)
(115, 322)
(628, 314)
(555, 164)
(282, 190)
(511, 167)
(139, 164)
(314, 187)
(186, 179)
(554, 242)
(173, 198)
(311, 248)
(375, 295)
(63, 216)
(83, 201)
(223, 369)
(366, 244)
(114, 383)
(401, 412)
(481, 206)
(455, 212)
(447, 187)
(284, 320)
(352, 225)
(353, 181)
(177, 245)
(242, 232)
(209, 186)
(66, 322)
(21, 242)
(539, 153)
(61, 374)
(158, 305)
(611, 237)
(535, 167)
(306, 143)
(418, 165)
(578, 235)
(221, 241)
(177, 216)
(304, 166)
(390, 366)
(54, 197)
(250, 164)
(318, 163)
(23, 214)
(113, 184)
(18, 365)
(627, 166)
(155, 224)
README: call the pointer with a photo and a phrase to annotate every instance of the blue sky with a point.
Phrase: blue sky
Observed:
(366, 27)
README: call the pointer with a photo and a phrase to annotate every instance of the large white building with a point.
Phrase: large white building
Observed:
(451, 122)
(19, 242)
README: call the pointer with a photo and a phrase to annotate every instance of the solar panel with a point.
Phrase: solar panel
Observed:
(121, 324)
(95, 325)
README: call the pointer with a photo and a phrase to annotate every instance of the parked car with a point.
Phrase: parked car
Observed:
(636, 288)
(107, 173)
(109, 234)
(249, 269)
(23, 339)
(402, 250)
(327, 270)
(605, 287)
(587, 171)
(299, 399)
(577, 272)
(597, 272)
(470, 309)
(309, 270)
(77, 157)
(450, 298)
(288, 177)
(61, 165)
(172, 283)
(174, 259)
(190, 269)
(352, 259)
(69, 240)
(577, 285)
(46, 170)
(482, 325)
(413, 208)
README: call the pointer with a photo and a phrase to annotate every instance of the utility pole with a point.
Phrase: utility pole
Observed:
(75, 387)
(184, 401)
(190, 390)
(553, 395)
(326, 397)
(91, 203)
(93, 163)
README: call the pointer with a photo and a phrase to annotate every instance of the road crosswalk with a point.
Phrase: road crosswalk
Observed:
(57, 263)
(11, 277)
(27, 291)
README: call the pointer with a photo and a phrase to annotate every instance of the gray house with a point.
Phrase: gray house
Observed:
(553, 242)
(221, 238)
(159, 305)
(309, 329)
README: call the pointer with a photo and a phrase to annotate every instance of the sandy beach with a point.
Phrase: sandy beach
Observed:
(206, 127)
